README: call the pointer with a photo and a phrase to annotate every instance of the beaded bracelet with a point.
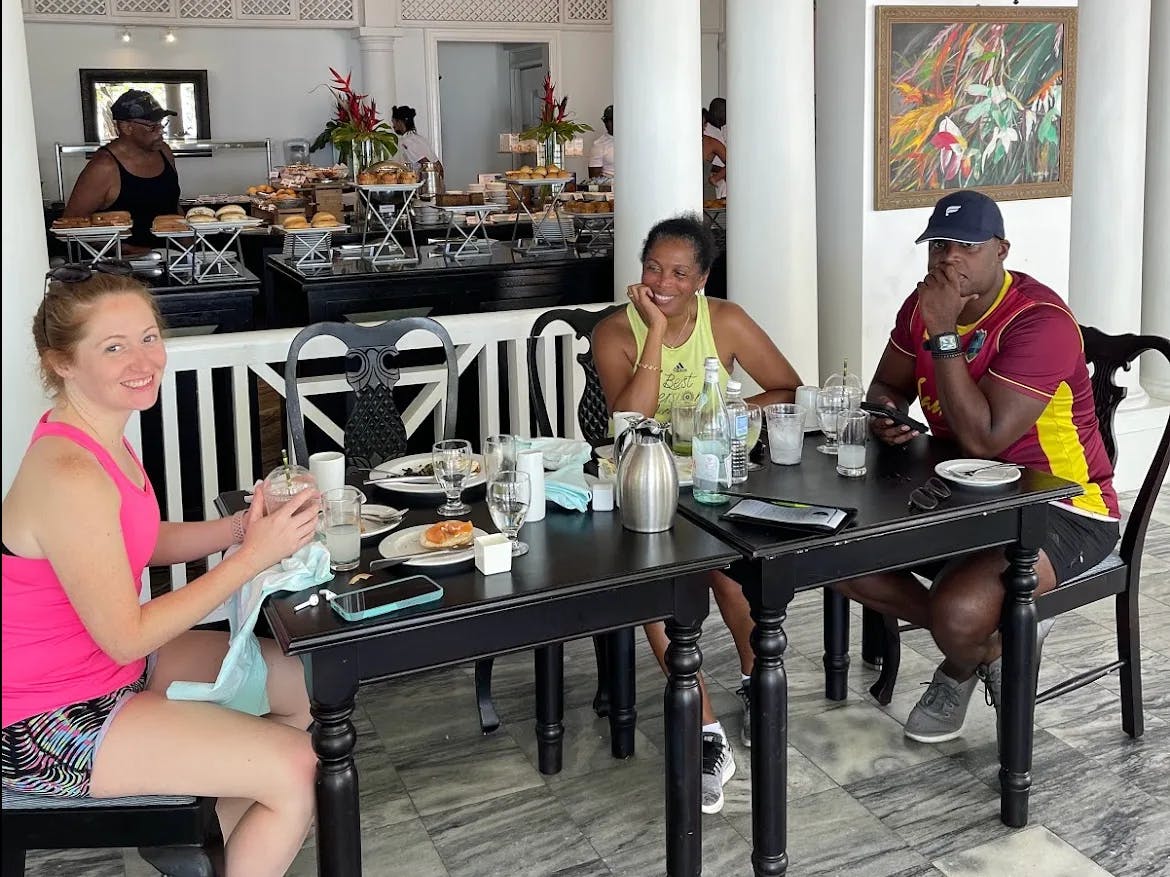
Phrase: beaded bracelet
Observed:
(649, 368)
(238, 528)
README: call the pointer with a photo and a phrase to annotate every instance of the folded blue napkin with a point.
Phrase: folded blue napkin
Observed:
(565, 484)
(242, 682)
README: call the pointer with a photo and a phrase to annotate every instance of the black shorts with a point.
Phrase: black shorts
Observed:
(1073, 544)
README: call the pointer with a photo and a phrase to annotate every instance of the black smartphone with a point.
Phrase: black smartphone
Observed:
(902, 419)
(376, 596)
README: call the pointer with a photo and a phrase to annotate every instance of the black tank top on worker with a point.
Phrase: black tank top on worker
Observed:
(145, 198)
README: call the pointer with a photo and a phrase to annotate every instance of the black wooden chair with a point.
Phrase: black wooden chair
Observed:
(593, 420)
(179, 836)
(1117, 575)
(374, 429)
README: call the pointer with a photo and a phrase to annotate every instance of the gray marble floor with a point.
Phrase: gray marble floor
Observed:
(438, 798)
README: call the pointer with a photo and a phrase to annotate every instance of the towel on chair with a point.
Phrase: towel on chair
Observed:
(242, 683)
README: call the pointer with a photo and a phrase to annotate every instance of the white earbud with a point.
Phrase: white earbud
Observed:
(312, 601)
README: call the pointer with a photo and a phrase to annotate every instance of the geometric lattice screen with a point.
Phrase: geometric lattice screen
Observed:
(262, 8)
(587, 10)
(540, 11)
(143, 7)
(205, 9)
(70, 7)
(327, 10)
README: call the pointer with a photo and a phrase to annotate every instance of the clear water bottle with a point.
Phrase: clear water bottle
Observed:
(737, 416)
(711, 440)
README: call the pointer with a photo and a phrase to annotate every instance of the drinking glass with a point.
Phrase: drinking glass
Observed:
(755, 426)
(499, 452)
(831, 403)
(852, 432)
(451, 459)
(508, 496)
(343, 526)
(682, 426)
(283, 483)
(785, 433)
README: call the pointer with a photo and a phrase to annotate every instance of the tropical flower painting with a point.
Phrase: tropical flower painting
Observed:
(971, 97)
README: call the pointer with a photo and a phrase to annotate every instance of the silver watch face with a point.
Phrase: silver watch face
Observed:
(946, 343)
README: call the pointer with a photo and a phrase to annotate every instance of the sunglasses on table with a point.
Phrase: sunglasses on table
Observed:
(927, 497)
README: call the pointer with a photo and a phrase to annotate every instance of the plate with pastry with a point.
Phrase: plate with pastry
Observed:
(409, 475)
(438, 544)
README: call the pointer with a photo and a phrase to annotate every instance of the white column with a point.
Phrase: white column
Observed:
(771, 173)
(377, 48)
(1156, 267)
(1105, 259)
(657, 96)
(24, 275)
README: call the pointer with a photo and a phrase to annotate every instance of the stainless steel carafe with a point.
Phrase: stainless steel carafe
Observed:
(646, 477)
(432, 180)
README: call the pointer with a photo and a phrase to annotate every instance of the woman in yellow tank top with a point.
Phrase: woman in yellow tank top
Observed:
(651, 355)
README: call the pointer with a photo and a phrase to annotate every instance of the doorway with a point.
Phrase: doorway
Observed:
(485, 89)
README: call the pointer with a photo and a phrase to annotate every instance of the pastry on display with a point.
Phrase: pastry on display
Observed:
(169, 222)
(715, 204)
(295, 222)
(111, 217)
(200, 211)
(366, 178)
(72, 222)
(231, 213)
(200, 219)
(323, 220)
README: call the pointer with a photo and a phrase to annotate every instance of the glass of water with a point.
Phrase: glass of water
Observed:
(755, 427)
(852, 432)
(451, 460)
(831, 404)
(499, 452)
(508, 496)
(343, 526)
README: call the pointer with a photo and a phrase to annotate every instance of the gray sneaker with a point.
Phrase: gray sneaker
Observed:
(745, 695)
(718, 768)
(938, 715)
(992, 674)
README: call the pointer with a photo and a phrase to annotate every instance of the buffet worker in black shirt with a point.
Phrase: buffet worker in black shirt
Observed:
(134, 172)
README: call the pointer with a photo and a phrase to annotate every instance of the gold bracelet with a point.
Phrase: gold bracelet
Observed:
(649, 368)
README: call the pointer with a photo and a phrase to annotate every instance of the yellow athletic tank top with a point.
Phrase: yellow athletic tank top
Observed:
(682, 366)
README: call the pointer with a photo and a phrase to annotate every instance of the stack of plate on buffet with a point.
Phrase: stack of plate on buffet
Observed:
(496, 193)
(553, 230)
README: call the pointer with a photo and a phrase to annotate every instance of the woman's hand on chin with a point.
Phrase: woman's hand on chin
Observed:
(643, 299)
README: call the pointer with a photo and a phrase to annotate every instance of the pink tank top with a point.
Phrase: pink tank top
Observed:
(50, 660)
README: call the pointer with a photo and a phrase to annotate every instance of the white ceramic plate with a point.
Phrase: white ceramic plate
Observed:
(415, 461)
(371, 527)
(684, 465)
(978, 473)
(407, 541)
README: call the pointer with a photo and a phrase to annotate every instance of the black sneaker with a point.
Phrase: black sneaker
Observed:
(745, 695)
(718, 768)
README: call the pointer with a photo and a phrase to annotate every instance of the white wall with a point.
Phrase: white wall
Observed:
(263, 82)
(475, 102)
(855, 242)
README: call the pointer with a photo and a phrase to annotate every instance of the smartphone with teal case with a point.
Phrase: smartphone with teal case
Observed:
(380, 597)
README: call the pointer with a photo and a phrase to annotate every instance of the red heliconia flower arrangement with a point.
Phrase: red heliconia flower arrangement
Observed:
(554, 118)
(355, 125)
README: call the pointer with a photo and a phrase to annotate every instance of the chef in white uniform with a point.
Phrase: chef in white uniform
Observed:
(717, 127)
(601, 155)
(412, 146)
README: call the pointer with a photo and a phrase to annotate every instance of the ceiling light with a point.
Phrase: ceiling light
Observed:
(169, 36)
(126, 36)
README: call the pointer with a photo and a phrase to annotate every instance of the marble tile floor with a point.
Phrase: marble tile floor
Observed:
(441, 800)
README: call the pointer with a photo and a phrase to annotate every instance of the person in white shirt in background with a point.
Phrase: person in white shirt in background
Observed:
(412, 146)
(715, 155)
(716, 127)
(601, 155)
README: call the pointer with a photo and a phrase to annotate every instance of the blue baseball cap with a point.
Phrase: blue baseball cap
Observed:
(135, 105)
(966, 216)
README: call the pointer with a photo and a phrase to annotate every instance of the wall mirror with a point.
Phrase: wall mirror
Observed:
(184, 91)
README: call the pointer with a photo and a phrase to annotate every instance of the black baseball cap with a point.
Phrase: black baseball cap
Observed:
(966, 216)
(137, 105)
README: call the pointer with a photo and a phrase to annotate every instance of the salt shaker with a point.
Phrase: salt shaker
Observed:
(532, 463)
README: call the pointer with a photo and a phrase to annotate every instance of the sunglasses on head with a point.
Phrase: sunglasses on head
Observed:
(79, 272)
(929, 495)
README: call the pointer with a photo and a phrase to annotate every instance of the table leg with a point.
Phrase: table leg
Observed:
(1018, 628)
(836, 659)
(332, 682)
(622, 715)
(770, 728)
(873, 637)
(683, 717)
(550, 706)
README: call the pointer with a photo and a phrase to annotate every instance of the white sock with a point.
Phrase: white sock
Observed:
(715, 728)
(745, 680)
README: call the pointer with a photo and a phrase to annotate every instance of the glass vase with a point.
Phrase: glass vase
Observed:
(553, 152)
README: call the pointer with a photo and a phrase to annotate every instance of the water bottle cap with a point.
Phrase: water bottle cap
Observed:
(734, 386)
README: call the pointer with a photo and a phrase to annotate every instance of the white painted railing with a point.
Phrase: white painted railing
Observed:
(478, 338)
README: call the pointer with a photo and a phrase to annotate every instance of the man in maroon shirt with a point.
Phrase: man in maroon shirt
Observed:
(996, 360)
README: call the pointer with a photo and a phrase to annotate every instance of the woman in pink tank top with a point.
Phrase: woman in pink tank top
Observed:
(84, 712)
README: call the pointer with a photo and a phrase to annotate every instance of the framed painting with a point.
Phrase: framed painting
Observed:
(973, 97)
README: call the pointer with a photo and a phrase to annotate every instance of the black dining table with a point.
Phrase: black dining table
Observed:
(584, 574)
(885, 534)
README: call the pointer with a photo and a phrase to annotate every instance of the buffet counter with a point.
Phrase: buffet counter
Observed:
(223, 302)
(502, 279)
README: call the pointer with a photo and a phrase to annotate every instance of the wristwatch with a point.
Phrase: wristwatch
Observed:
(943, 345)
